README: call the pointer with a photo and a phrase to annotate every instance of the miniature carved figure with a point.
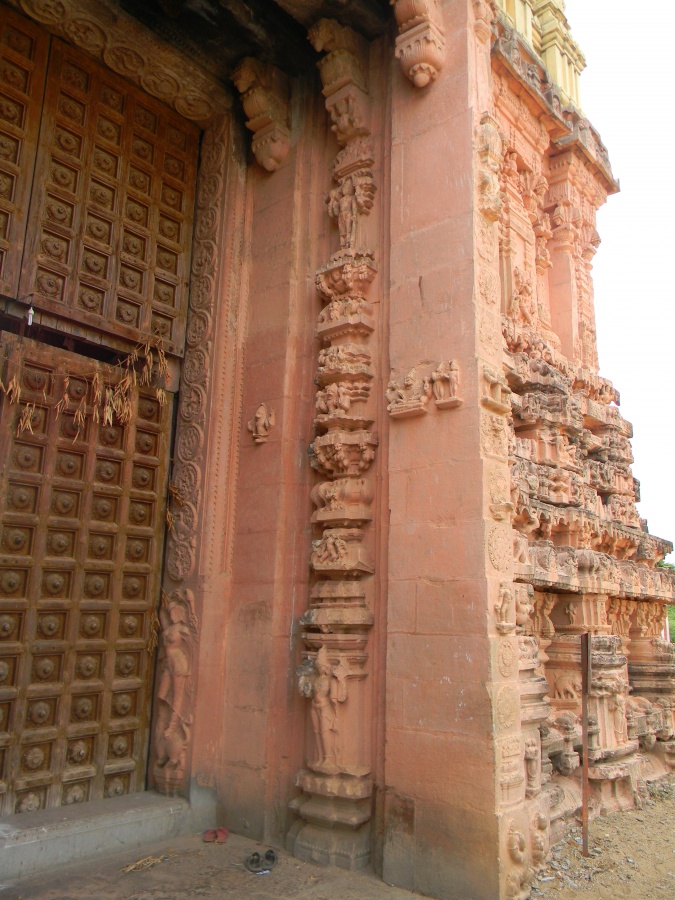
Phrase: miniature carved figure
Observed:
(524, 608)
(532, 768)
(261, 423)
(503, 610)
(618, 710)
(521, 300)
(352, 197)
(327, 687)
(333, 398)
(409, 396)
(567, 686)
(445, 384)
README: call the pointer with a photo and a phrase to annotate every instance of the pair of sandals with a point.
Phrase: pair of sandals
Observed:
(261, 864)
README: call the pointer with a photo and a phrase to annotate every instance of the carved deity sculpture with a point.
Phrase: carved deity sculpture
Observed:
(503, 610)
(353, 197)
(327, 687)
(445, 384)
(261, 423)
(521, 300)
(412, 393)
(618, 710)
(532, 767)
(174, 714)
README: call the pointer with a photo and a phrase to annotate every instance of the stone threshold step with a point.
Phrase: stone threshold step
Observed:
(33, 843)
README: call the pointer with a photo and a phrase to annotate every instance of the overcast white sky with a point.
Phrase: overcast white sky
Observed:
(626, 92)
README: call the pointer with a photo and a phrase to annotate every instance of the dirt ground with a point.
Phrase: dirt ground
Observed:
(633, 856)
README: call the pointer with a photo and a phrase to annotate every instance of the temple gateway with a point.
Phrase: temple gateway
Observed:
(309, 484)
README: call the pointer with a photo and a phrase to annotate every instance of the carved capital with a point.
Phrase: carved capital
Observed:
(344, 49)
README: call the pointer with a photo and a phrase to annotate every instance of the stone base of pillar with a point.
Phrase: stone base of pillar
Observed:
(614, 785)
(665, 752)
(336, 845)
(334, 825)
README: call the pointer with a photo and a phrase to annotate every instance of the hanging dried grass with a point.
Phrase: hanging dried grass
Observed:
(153, 639)
(25, 421)
(111, 399)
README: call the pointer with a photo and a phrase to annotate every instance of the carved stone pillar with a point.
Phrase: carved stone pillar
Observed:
(335, 806)
(651, 671)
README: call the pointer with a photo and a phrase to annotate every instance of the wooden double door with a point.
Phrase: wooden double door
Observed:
(96, 202)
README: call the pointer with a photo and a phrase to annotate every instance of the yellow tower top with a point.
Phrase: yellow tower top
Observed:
(544, 26)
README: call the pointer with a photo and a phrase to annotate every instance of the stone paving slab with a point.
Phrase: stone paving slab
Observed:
(196, 869)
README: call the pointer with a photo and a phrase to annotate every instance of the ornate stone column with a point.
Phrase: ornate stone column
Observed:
(335, 806)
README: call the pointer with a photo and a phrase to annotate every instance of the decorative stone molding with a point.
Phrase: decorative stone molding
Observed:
(265, 101)
(420, 45)
(132, 51)
(188, 468)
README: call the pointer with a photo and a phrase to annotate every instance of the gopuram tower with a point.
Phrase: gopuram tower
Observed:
(316, 559)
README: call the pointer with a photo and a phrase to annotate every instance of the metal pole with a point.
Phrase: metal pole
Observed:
(585, 684)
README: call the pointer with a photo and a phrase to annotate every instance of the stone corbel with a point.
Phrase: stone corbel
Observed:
(420, 45)
(265, 102)
(343, 78)
(484, 16)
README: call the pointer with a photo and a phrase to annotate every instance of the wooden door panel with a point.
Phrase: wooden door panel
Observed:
(23, 60)
(123, 167)
(82, 509)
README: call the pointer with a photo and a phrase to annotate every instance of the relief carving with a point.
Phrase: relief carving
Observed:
(409, 396)
(261, 424)
(338, 617)
(187, 469)
(445, 385)
(178, 639)
(134, 54)
(326, 685)
(504, 610)
(489, 148)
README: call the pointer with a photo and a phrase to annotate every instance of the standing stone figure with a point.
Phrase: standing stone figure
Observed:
(174, 716)
(327, 686)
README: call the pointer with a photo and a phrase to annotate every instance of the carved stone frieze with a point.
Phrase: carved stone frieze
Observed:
(188, 470)
(410, 395)
(133, 52)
